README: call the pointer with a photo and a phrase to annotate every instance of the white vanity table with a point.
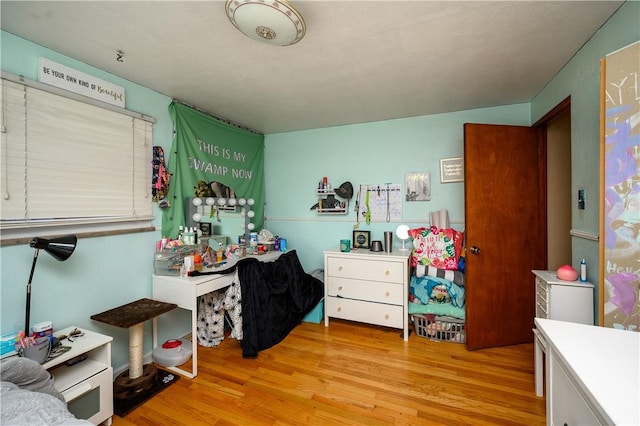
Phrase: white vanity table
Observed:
(184, 291)
(592, 374)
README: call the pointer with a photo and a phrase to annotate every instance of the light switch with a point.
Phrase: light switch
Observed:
(581, 199)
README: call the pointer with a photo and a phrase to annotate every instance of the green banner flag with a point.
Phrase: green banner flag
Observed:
(207, 150)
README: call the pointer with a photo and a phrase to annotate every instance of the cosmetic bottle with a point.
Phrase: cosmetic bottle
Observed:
(583, 271)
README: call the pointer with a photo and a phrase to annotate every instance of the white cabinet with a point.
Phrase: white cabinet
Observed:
(87, 386)
(559, 300)
(563, 300)
(366, 286)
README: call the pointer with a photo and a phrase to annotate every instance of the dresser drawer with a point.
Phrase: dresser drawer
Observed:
(372, 291)
(368, 312)
(542, 310)
(369, 270)
(568, 407)
(542, 290)
(542, 298)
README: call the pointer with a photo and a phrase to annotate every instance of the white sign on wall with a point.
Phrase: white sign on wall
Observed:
(58, 75)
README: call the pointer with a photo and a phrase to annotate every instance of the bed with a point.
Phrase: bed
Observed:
(265, 302)
(436, 286)
(28, 396)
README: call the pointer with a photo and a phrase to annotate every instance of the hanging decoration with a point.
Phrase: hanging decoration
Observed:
(379, 203)
(160, 178)
(207, 150)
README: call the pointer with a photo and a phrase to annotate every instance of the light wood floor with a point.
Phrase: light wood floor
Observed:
(351, 374)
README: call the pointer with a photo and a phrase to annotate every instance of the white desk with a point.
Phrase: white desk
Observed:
(592, 374)
(184, 292)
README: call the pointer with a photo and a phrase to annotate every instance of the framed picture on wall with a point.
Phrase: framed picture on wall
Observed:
(418, 186)
(452, 170)
(205, 227)
(361, 239)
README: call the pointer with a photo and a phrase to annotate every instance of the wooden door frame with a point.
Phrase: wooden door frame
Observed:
(555, 112)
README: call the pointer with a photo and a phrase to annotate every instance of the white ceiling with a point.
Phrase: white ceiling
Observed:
(359, 61)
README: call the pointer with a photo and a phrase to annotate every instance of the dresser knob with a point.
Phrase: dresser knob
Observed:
(386, 273)
(340, 288)
(386, 316)
(386, 294)
(339, 309)
(339, 268)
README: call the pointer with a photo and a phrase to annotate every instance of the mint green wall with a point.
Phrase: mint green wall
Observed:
(108, 271)
(369, 153)
(103, 272)
(580, 79)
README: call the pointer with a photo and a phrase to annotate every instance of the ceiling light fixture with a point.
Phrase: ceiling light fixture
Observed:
(274, 22)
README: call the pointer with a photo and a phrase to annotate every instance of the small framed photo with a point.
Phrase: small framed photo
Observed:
(418, 186)
(451, 170)
(205, 228)
(361, 239)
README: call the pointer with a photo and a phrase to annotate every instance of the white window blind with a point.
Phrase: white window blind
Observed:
(66, 161)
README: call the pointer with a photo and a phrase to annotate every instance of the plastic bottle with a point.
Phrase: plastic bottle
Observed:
(583, 271)
(219, 253)
(192, 235)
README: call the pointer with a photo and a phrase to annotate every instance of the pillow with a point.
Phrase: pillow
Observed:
(435, 247)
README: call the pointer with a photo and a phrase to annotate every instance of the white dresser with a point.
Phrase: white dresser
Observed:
(593, 374)
(561, 300)
(366, 286)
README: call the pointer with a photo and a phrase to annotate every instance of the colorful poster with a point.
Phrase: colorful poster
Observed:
(621, 249)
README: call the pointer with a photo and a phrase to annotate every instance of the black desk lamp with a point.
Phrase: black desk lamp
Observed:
(60, 248)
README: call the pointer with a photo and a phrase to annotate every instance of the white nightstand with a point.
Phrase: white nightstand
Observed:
(87, 386)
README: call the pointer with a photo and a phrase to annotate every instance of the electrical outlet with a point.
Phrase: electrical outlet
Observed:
(581, 199)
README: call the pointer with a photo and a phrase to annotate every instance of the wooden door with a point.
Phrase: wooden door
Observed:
(505, 231)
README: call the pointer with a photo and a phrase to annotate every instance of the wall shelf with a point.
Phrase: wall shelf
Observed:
(329, 203)
(340, 210)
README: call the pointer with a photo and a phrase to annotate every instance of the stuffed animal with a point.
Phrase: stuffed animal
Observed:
(202, 189)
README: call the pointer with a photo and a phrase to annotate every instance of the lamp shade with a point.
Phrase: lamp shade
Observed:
(59, 247)
(273, 22)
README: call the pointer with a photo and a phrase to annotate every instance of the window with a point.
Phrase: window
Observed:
(67, 163)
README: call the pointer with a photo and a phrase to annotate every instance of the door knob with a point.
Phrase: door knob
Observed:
(475, 250)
